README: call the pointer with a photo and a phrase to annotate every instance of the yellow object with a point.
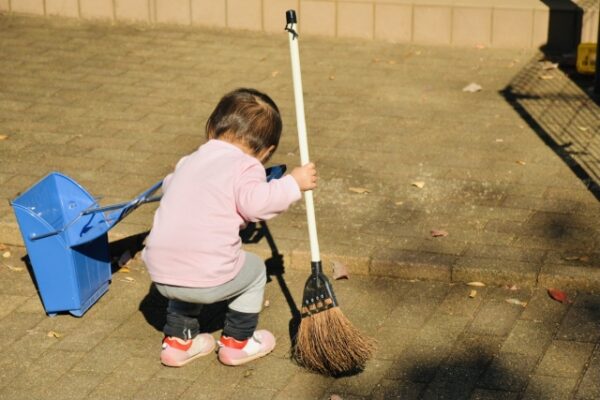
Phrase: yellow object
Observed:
(586, 58)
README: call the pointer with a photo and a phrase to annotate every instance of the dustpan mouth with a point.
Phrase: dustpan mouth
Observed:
(318, 293)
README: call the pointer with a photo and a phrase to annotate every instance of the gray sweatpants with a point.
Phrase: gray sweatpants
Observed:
(244, 295)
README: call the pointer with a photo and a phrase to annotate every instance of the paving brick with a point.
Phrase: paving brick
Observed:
(529, 338)
(356, 386)
(412, 265)
(501, 271)
(487, 321)
(458, 301)
(391, 389)
(453, 382)
(508, 372)
(569, 276)
(473, 352)
(484, 394)
(542, 308)
(565, 359)
(547, 387)
(589, 387)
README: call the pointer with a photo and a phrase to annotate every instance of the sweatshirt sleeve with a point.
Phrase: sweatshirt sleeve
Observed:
(167, 179)
(259, 200)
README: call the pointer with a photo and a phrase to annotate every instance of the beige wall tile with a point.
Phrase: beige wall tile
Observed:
(541, 18)
(132, 10)
(173, 11)
(355, 20)
(65, 8)
(27, 6)
(393, 22)
(209, 13)
(589, 30)
(432, 24)
(274, 13)
(244, 14)
(471, 26)
(317, 17)
(512, 28)
(102, 9)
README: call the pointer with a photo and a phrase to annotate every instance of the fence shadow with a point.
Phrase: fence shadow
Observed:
(564, 116)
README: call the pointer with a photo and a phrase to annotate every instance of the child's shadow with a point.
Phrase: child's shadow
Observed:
(154, 305)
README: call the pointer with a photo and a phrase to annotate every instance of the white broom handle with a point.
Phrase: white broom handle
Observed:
(302, 136)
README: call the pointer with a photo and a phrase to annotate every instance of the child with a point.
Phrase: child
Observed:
(194, 253)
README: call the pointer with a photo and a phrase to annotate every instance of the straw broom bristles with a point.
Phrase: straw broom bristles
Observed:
(328, 343)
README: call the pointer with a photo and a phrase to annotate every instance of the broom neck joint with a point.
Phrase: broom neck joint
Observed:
(316, 267)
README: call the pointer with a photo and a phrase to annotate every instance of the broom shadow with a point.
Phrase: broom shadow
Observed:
(275, 269)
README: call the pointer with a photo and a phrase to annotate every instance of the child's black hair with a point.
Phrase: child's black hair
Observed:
(246, 115)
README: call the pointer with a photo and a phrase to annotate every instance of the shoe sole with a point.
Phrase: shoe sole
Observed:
(241, 361)
(175, 364)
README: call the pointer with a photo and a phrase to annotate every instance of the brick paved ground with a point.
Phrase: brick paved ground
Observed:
(116, 106)
(435, 342)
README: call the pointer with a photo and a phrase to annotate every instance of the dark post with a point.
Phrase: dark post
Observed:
(597, 83)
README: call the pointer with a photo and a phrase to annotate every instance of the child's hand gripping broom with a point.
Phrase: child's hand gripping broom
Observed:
(326, 341)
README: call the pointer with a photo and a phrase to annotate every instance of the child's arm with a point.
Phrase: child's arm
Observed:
(260, 200)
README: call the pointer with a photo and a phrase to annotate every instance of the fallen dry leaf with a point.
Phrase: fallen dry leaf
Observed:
(127, 279)
(438, 233)
(577, 258)
(124, 270)
(15, 269)
(476, 284)
(359, 190)
(472, 88)
(339, 270)
(6, 254)
(546, 77)
(499, 140)
(3, 247)
(516, 302)
(547, 65)
(520, 162)
(399, 203)
(332, 77)
(267, 303)
(558, 295)
(3, 137)
(419, 184)
(511, 287)
(583, 128)
(472, 293)
(54, 334)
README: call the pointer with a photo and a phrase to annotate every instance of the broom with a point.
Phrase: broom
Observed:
(326, 341)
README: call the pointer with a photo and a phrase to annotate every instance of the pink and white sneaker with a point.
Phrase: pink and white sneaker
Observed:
(178, 352)
(234, 352)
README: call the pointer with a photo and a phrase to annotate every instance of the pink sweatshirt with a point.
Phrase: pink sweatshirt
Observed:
(212, 194)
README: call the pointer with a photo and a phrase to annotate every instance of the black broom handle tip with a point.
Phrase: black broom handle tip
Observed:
(290, 17)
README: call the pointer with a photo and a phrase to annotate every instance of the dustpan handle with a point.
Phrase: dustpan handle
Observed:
(143, 198)
(291, 27)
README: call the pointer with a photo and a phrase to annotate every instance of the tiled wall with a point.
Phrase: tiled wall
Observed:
(497, 23)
